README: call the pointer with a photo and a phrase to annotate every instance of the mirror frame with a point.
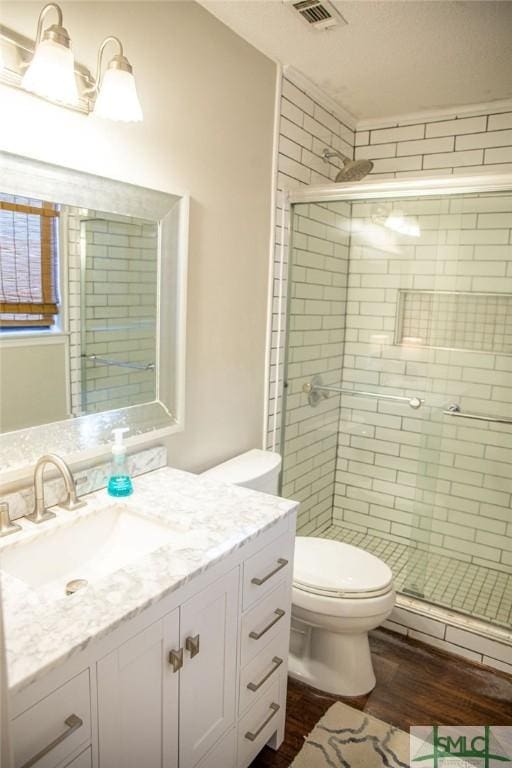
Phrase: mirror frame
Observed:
(88, 437)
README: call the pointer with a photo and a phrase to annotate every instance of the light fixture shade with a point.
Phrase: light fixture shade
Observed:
(52, 73)
(117, 97)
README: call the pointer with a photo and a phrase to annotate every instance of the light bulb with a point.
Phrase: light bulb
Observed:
(51, 73)
(117, 98)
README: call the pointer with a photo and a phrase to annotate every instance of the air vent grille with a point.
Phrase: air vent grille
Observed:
(319, 14)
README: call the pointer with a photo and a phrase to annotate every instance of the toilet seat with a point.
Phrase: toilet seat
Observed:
(336, 570)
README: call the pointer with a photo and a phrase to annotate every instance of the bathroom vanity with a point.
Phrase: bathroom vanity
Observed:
(175, 657)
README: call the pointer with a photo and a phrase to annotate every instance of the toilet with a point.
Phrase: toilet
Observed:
(339, 594)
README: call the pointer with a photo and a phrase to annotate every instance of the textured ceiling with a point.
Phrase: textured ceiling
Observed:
(394, 56)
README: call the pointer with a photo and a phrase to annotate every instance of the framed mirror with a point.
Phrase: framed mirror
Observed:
(92, 311)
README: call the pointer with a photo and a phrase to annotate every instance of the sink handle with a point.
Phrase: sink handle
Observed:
(176, 659)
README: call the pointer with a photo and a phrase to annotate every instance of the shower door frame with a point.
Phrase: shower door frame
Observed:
(396, 188)
(411, 187)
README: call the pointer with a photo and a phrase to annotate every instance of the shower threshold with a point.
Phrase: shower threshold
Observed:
(474, 590)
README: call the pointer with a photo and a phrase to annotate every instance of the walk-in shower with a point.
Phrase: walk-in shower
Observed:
(397, 412)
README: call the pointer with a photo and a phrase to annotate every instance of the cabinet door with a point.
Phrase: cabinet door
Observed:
(138, 699)
(208, 678)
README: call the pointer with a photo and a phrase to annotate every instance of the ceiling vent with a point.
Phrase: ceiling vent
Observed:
(319, 14)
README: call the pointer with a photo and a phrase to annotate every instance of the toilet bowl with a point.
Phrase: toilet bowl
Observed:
(340, 593)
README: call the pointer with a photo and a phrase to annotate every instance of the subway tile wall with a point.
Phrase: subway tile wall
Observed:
(318, 287)
(466, 145)
(119, 316)
(420, 476)
(306, 127)
(461, 469)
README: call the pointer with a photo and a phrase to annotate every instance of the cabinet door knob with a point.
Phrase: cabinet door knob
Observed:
(176, 659)
(192, 645)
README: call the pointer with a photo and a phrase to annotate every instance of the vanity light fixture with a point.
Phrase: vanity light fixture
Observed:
(117, 97)
(48, 68)
(51, 73)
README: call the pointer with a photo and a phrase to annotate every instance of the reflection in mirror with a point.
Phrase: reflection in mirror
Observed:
(78, 311)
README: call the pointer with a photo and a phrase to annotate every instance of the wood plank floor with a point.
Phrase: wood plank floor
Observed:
(416, 685)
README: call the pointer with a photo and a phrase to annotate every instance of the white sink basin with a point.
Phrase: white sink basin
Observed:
(90, 548)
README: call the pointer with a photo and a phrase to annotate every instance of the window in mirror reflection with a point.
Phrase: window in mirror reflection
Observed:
(78, 311)
(28, 264)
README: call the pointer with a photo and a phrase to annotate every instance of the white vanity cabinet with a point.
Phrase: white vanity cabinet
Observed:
(195, 680)
(174, 683)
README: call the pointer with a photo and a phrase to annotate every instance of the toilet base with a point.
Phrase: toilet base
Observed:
(332, 662)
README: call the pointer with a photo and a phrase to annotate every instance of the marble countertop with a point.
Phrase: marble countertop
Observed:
(212, 519)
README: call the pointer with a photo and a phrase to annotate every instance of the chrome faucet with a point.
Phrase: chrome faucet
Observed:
(6, 525)
(72, 501)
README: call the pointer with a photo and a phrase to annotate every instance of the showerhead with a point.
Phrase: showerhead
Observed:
(353, 170)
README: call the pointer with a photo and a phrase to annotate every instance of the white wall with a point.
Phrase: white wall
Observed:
(33, 385)
(208, 100)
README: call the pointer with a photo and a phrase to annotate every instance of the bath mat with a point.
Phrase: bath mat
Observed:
(347, 738)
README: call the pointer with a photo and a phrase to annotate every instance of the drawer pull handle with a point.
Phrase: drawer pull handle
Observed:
(279, 613)
(73, 723)
(277, 663)
(192, 645)
(252, 736)
(281, 563)
(176, 659)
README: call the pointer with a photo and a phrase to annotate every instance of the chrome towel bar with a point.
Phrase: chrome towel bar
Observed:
(315, 387)
(455, 410)
(120, 363)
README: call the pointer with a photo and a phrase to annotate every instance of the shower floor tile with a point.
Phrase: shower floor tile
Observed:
(465, 587)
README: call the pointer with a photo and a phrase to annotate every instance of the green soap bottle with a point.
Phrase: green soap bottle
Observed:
(119, 483)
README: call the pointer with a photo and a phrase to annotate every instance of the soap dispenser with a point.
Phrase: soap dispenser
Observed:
(119, 483)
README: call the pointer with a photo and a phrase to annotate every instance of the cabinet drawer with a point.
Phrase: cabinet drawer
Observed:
(258, 725)
(265, 621)
(84, 760)
(260, 674)
(265, 569)
(54, 727)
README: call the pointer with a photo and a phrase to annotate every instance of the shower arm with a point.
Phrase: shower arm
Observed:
(327, 154)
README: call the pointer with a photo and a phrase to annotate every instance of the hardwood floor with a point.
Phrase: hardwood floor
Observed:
(416, 685)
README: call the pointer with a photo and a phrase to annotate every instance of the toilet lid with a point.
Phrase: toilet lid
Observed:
(334, 569)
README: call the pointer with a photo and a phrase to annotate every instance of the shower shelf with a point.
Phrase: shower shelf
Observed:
(315, 387)
(455, 410)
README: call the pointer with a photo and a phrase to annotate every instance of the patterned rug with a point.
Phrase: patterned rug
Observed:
(348, 738)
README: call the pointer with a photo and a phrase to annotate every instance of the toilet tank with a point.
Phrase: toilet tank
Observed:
(254, 469)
